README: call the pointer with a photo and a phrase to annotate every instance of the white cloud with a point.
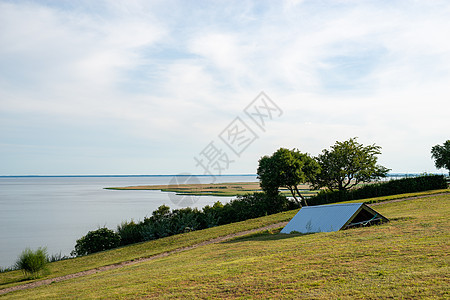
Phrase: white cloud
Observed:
(171, 71)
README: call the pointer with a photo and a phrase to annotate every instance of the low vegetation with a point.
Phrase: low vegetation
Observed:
(166, 222)
(362, 263)
(96, 241)
(32, 263)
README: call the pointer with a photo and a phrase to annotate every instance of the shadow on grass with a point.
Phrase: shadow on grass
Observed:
(17, 280)
(275, 235)
(268, 235)
(402, 219)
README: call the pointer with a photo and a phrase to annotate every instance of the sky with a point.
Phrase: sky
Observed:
(170, 87)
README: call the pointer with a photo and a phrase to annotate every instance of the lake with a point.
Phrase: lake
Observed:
(55, 211)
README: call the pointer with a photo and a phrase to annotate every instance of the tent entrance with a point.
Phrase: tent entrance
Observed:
(365, 217)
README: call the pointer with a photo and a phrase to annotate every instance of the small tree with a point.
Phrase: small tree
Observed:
(96, 241)
(286, 168)
(31, 262)
(441, 155)
(347, 164)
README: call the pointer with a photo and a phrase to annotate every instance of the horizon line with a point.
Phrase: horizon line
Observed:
(184, 174)
(130, 175)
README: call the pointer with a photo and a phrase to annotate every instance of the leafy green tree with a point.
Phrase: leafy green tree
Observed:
(347, 164)
(95, 241)
(441, 155)
(32, 262)
(286, 168)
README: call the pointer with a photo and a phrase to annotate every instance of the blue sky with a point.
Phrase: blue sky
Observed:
(143, 87)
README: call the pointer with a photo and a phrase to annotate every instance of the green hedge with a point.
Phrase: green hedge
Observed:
(392, 187)
(166, 222)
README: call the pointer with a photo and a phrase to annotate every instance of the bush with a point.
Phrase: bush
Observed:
(95, 241)
(158, 225)
(211, 215)
(254, 205)
(32, 263)
(185, 219)
(57, 257)
(392, 187)
(130, 233)
(156, 229)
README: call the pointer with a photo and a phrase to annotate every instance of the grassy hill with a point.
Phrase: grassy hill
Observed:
(405, 258)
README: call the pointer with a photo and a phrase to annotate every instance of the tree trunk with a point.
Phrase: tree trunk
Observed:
(301, 196)
(295, 198)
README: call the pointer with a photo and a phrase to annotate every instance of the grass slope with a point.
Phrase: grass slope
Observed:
(145, 249)
(405, 258)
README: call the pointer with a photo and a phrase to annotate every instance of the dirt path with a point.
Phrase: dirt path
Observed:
(164, 254)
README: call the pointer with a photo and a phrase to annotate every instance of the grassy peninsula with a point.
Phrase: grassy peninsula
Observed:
(213, 189)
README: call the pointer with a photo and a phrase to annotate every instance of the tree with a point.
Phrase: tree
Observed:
(441, 155)
(347, 164)
(286, 168)
(95, 241)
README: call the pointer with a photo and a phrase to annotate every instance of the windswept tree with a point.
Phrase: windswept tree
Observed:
(347, 164)
(286, 168)
(441, 156)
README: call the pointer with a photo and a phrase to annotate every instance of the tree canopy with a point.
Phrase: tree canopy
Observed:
(347, 164)
(286, 168)
(441, 155)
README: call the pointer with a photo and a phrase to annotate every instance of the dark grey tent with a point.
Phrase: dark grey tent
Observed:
(326, 218)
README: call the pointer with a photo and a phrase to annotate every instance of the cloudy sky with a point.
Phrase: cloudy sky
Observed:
(145, 87)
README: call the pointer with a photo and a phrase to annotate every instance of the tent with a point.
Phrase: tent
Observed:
(326, 218)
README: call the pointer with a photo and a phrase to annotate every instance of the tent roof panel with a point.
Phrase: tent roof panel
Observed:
(322, 218)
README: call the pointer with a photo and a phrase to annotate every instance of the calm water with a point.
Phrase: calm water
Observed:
(56, 211)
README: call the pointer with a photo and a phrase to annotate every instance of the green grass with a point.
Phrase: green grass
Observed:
(399, 196)
(405, 258)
